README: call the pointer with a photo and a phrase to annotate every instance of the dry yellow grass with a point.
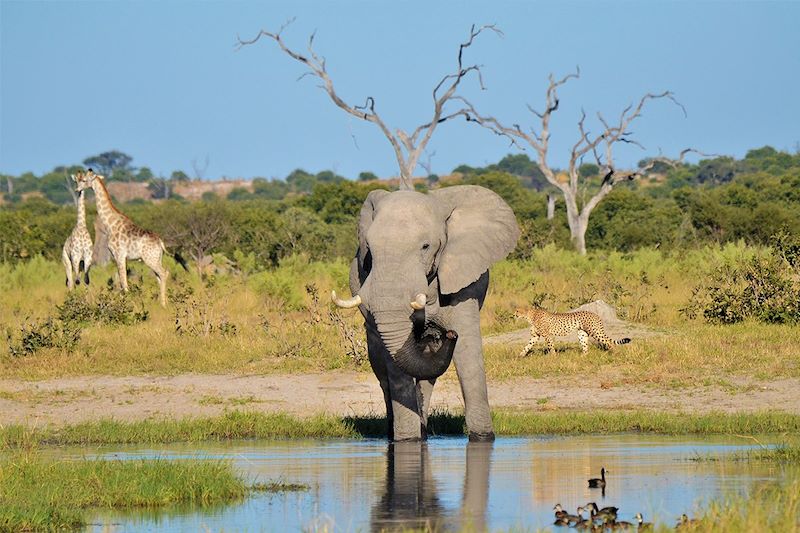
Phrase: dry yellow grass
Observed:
(271, 322)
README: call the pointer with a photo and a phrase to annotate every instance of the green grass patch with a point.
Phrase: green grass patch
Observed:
(773, 508)
(250, 425)
(784, 454)
(566, 422)
(41, 494)
(228, 426)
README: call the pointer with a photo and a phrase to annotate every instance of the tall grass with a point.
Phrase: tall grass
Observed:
(40, 494)
(276, 321)
(773, 508)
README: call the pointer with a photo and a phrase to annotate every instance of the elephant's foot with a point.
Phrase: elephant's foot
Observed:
(481, 437)
(411, 439)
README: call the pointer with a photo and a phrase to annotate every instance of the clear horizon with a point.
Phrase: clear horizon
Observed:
(163, 82)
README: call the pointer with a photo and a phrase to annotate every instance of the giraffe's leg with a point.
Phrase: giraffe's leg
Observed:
(122, 271)
(162, 274)
(76, 266)
(583, 338)
(68, 267)
(87, 264)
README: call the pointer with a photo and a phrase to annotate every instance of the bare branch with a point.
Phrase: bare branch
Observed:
(407, 160)
(586, 143)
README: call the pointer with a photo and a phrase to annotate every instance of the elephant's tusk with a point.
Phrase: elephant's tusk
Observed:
(419, 302)
(346, 304)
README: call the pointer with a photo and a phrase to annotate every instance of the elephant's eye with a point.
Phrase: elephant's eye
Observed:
(426, 246)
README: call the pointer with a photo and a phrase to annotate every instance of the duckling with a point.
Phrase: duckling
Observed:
(584, 524)
(578, 518)
(686, 522)
(566, 519)
(643, 526)
(560, 512)
(598, 483)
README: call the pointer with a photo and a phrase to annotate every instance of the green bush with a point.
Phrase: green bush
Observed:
(107, 307)
(763, 287)
(41, 334)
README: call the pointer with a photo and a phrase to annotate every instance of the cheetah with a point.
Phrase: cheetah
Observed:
(548, 325)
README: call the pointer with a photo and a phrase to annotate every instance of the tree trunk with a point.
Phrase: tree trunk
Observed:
(551, 206)
(10, 183)
(405, 179)
(579, 238)
(578, 222)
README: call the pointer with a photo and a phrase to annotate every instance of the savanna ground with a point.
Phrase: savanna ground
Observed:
(270, 342)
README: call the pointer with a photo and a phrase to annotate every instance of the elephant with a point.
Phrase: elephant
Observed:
(419, 278)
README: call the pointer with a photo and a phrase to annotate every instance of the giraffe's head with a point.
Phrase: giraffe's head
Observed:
(85, 180)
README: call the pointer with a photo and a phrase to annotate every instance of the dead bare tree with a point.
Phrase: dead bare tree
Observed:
(601, 147)
(407, 147)
(70, 186)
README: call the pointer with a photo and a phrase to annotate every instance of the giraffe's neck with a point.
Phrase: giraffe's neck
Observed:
(106, 211)
(81, 210)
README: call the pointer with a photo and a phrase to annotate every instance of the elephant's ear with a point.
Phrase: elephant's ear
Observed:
(365, 220)
(481, 229)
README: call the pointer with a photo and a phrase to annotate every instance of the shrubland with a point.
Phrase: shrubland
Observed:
(705, 255)
(278, 319)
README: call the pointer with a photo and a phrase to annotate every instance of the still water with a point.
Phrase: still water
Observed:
(451, 484)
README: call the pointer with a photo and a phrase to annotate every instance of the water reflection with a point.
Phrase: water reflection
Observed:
(410, 498)
(451, 485)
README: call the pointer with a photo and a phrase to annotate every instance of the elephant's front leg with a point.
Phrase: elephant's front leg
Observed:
(400, 391)
(468, 358)
(377, 360)
(407, 423)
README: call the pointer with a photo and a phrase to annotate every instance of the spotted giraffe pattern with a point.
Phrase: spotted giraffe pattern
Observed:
(548, 325)
(77, 252)
(126, 240)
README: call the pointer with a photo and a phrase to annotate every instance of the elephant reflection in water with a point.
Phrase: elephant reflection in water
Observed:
(410, 499)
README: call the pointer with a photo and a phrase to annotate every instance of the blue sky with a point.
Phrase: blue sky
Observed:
(163, 82)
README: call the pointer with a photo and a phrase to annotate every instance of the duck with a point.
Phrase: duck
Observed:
(560, 512)
(598, 483)
(614, 525)
(577, 519)
(563, 518)
(610, 509)
(606, 514)
(685, 521)
(643, 526)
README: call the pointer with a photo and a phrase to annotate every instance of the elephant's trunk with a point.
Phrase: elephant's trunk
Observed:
(416, 342)
(428, 357)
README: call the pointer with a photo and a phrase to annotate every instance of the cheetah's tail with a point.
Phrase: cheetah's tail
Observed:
(626, 340)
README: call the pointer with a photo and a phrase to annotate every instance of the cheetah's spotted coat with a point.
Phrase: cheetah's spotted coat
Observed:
(548, 325)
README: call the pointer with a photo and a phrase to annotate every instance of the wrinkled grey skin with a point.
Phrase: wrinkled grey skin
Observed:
(440, 244)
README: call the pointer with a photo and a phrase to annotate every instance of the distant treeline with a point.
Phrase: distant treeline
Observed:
(715, 201)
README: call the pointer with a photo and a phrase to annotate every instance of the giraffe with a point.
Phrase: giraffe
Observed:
(77, 252)
(126, 240)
